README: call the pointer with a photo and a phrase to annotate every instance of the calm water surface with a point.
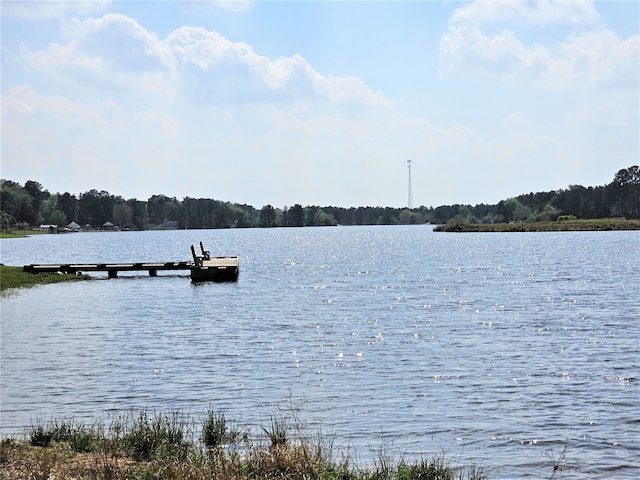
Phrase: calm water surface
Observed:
(498, 348)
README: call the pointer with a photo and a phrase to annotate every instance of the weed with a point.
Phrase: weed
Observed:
(39, 434)
(561, 463)
(278, 430)
(165, 434)
(218, 431)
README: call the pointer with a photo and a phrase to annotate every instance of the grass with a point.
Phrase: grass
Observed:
(601, 224)
(16, 277)
(21, 233)
(155, 445)
(217, 431)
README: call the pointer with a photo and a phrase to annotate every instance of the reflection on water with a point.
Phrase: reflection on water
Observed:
(495, 347)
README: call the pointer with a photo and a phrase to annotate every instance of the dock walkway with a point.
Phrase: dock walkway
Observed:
(203, 267)
(111, 268)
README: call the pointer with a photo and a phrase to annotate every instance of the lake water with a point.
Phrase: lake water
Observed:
(497, 348)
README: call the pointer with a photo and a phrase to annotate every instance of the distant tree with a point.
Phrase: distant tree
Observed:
(16, 201)
(138, 213)
(548, 214)
(240, 218)
(310, 214)
(122, 215)
(626, 184)
(512, 210)
(96, 208)
(35, 191)
(323, 219)
(521, 212)
(634, 187)
(32, 203)
(267, 216)
(48, 206)
(58, 218)
(69, 205)
(161, 208)
(296, 216)
(408, 217)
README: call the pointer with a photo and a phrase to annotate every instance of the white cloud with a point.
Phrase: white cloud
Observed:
(601, 57)
(24, 100)
(80, 145)
(211, 7)
(539, 12)
(590, 57)
(42, 9)
(116, 52)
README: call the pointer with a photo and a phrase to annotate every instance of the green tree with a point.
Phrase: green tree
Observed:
(96, 208)
(521, 212)
(122, 215)
(58, 218)
(48, 206)
(139, 218)
(34, 189)
(268, 216)
(548, 214)
(16, 201)
(296, 216)
(626, 184)
(512, 210)
(68, 204)
(161, 208)
(323, 219)
(408, 217)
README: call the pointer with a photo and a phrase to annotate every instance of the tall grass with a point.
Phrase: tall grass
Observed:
(217, 431)
(157, 445)
(81, 438)
(149, 435)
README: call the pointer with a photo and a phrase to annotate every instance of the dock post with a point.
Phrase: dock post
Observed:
(113, 273)
(153, 272)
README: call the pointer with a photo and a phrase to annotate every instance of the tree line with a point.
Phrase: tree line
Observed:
(28, 205)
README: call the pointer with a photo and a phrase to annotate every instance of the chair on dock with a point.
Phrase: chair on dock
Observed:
(206, 254)
(197, 259)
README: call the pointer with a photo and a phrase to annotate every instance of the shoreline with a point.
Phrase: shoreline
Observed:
(15, 278)
(144, 444)
(589, 225)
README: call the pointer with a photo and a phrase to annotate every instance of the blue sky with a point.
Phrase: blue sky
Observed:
(319, 103)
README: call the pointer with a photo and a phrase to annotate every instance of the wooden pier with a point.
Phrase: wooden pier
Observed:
(202, 268)
(111, 268)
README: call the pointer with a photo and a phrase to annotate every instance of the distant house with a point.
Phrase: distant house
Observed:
(49, 228)
(108, 226)
(74, 227)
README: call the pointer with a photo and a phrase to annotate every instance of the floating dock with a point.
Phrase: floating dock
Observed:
(202, 268)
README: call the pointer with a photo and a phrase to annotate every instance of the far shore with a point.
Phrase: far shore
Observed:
(589, 225)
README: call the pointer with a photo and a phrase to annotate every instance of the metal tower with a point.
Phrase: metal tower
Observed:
(410, 199)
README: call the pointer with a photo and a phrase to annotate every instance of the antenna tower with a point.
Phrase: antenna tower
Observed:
(410, 198)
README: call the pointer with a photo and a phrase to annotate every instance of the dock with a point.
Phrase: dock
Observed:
(111, 268)
(202, 268)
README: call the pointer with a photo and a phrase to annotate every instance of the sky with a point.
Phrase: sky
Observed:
(319, 103)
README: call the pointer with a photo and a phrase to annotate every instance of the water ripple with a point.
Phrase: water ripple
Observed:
(499, 347)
